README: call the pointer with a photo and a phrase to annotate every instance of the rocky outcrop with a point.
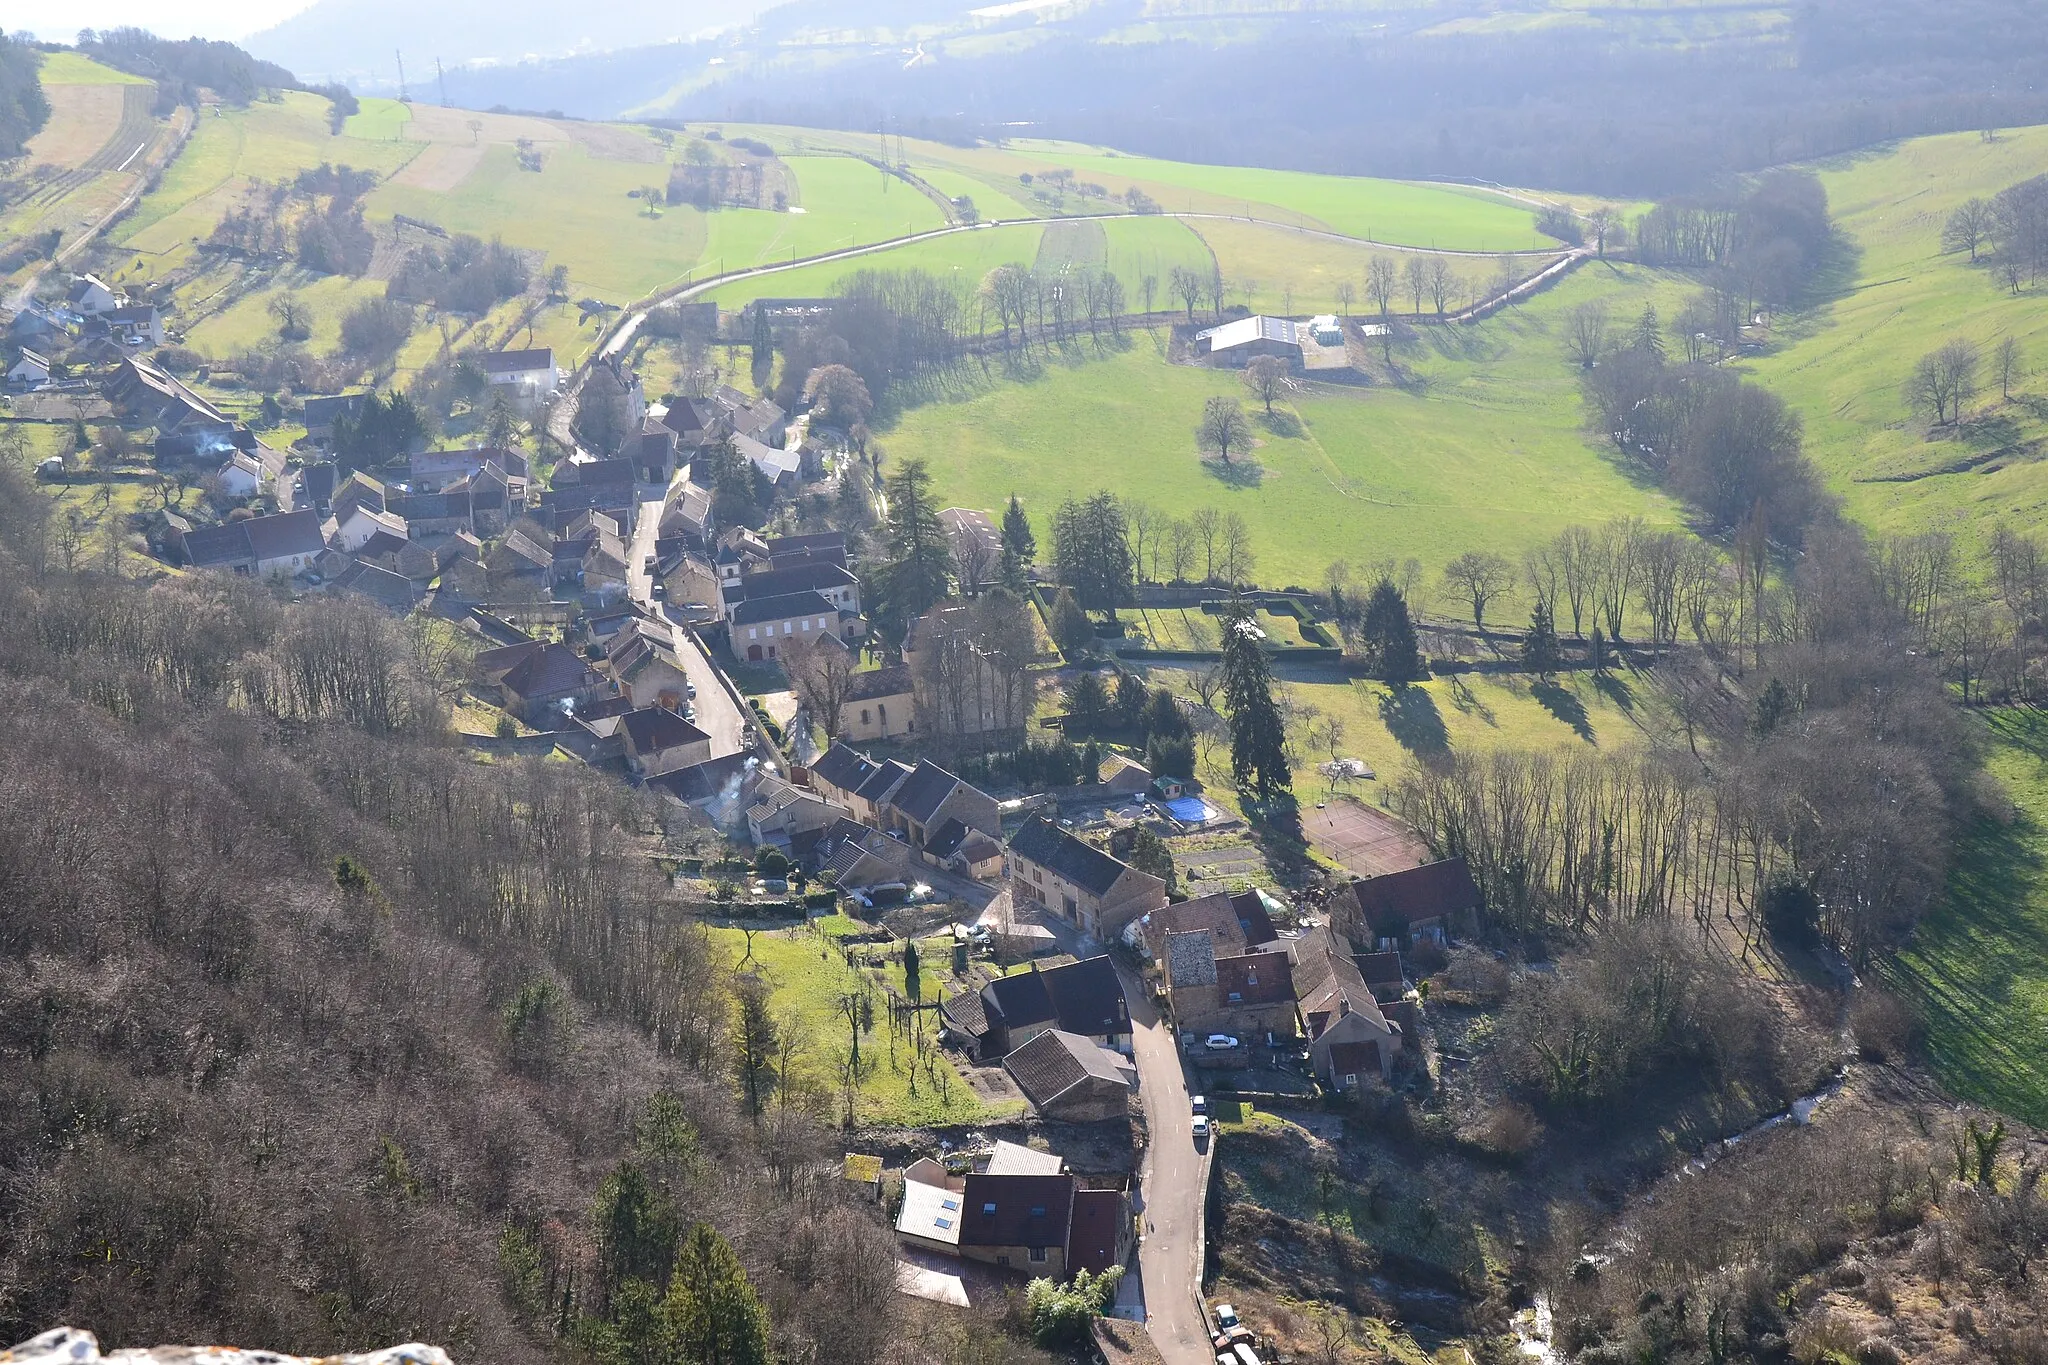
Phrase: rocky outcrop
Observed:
(69, 1346)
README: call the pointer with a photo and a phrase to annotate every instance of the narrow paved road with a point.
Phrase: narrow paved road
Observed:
(1173, 1183)
(717, 714)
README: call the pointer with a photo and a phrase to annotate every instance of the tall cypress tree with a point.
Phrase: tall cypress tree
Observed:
(1258, 737)
(714, 1314)
(1020, 548)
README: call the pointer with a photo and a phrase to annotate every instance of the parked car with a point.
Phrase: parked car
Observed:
(1201, 1130)
(1221, 1042)
(1201, 1104)
(1226, 1316)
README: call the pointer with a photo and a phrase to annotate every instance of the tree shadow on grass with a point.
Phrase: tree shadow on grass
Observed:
(1468, 703)
(1279, 422)
(1566, 706)
(1975, 964)
(1238, 473)
(1616, 689)
(1411, 717)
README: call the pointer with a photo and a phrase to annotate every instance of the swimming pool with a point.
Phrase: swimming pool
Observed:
(1192, 810)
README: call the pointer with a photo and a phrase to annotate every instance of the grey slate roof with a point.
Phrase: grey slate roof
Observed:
(924, 791)
(1056, 1061)
(1051, 847)
(843, 767)
(1087, 996)
(782, 607)
(882, 781)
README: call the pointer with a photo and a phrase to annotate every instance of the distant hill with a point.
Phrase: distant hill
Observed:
(354, 40)
(1650, 99)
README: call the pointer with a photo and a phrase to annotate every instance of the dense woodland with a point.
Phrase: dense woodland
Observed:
(23, 107)
(317, 1034)
(1612, 105)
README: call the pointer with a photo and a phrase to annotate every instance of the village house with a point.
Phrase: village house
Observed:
(1246, 995)
(856, 855)
(839, 772)
(391, 591)
(30, 368)
(433, 470)
(324, 410)
(1072, 1079)
(89, 295)
(131, 325)
(879, 704)
(1400, 909)
(930, 798)
(243, 476)
(357, 490)
(1084, 998)
(258, 547)
(965, 851)
(834, 582)
(657, 740)
(1016, 1214)
(976, 544)
(782, 813)
(1237, 921)
(527, 378)
(686, 512)
(1084, 886)
(642, 663)
(548, 685)
(782, 468)
(1351, 1040)
(354, 528)
(761, 626)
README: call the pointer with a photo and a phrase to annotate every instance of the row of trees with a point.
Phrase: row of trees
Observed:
(1944, 381)
(1835, 780)
(2008, 232)
(1056, 302)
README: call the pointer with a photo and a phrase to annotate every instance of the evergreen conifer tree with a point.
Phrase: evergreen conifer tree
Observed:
(1258, 736)
(712, 1311)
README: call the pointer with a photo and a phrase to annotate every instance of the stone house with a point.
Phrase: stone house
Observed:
(1084, 886)
(1071, 1078)
(1350, 1038)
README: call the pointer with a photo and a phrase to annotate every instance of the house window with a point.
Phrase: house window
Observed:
(1038, 1253)
(1236, 999)
(988, 1210)
(1038, 1210)
(1071, 904)
(863, 715)
(751, 633)
(807, 627)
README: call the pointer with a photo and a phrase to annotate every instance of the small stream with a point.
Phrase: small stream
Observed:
(1533, 1327)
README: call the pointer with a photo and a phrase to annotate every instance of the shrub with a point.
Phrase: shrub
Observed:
(1063, 1315)
(507, 728)
(1885, 1029)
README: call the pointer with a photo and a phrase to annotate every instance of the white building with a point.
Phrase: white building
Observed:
(531, 376)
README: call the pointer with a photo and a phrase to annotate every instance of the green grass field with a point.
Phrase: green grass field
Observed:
(575, 209)
(234, 148)
(73, 68)
(1482, 449)
(963, 256)
(1274, 270)
(1375, 210)
(1844, 370)
(1978, 966)
(845, 203)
